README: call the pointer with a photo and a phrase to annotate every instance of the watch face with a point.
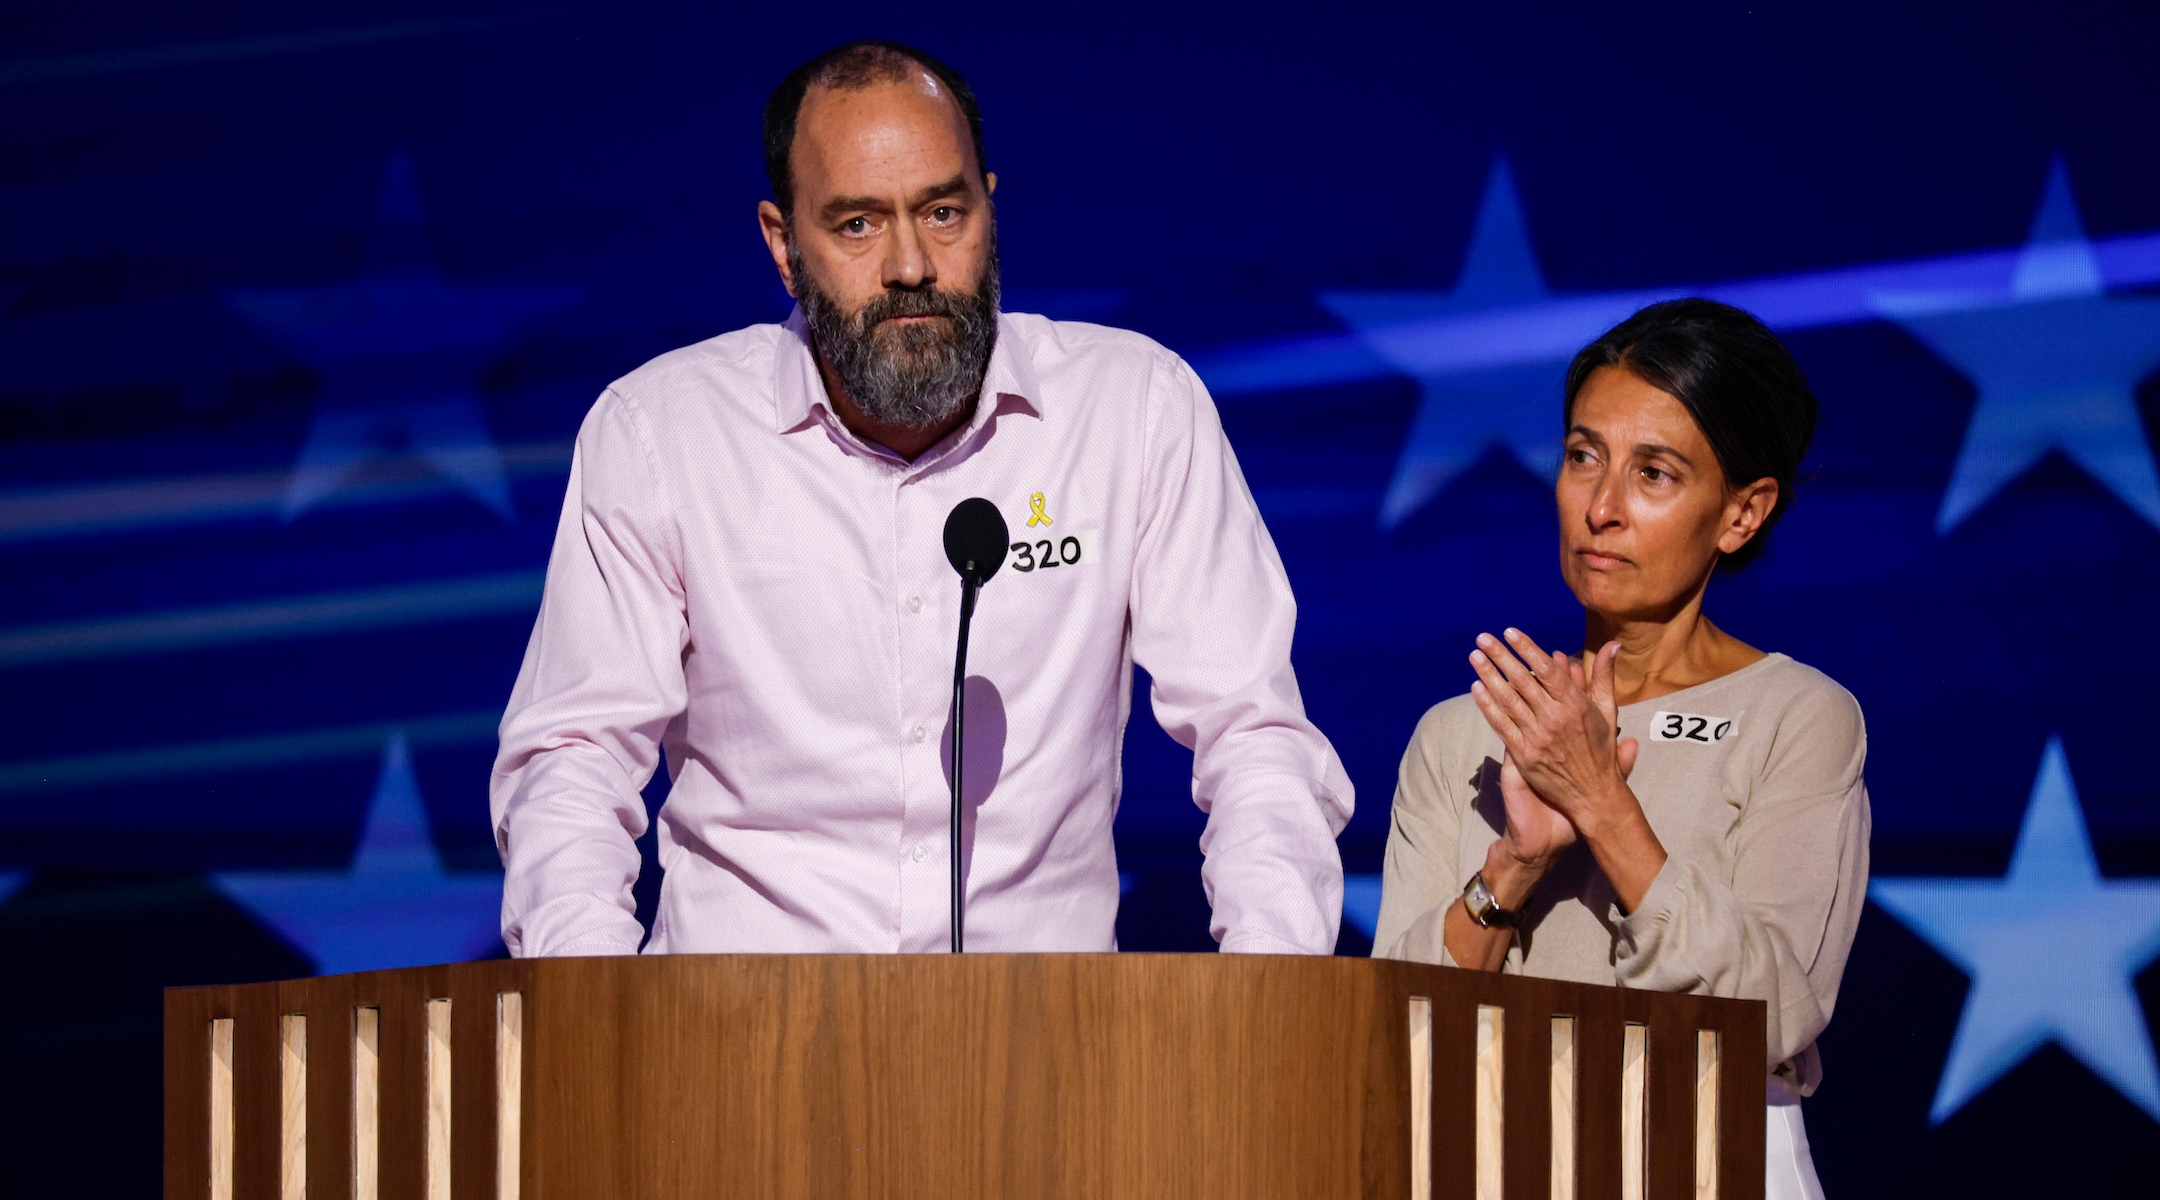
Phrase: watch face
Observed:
(1479, 903)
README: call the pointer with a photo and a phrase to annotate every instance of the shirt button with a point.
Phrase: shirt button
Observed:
(920, 733)
(920, 852)
(914, 604)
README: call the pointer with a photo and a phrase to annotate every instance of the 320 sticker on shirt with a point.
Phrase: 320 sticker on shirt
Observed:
(1053, 551)
(1691, 727)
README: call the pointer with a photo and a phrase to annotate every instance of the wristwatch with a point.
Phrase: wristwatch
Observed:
(1478, 901)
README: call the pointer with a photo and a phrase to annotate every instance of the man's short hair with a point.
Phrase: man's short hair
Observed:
(850, 68)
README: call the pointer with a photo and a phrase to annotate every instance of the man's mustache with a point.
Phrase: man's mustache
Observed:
(911, 302)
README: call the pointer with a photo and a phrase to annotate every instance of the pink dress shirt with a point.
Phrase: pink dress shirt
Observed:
(740, 580)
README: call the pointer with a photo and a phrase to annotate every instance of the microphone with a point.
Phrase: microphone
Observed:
(975, 540)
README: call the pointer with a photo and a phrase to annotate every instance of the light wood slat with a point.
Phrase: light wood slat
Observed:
(1634, 1111)
(292, 1109)
(509, 1090)
(1421, 1089)
(221, 1108)
(1708, 1053)
(1491, 1073)
(1563, 1108)
(367, 1103)
(437, 1071)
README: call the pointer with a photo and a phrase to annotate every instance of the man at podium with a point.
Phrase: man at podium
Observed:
(748, 574)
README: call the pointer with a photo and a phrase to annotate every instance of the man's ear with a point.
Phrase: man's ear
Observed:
(1745, 513)
(775, 228)
(990, 183)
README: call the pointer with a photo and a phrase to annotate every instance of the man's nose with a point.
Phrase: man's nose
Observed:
(907, 257)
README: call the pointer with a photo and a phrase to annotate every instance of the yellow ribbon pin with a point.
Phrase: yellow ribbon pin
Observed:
(1036, 515)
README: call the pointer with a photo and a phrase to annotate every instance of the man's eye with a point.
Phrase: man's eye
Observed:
(944, 214)
(856, 225)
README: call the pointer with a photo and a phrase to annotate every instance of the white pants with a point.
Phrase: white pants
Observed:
(1789, 1170)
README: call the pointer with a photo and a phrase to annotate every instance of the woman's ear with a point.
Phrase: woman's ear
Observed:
(1745, 511)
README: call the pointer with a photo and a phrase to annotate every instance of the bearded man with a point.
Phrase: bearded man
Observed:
(749, 576)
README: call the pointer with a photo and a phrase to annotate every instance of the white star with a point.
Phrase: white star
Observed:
(2057, 365)
(2051, 948)
(395, 906)
(1464, 412)
(398, 351)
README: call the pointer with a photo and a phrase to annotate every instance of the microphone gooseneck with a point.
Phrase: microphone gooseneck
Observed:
(975, 544)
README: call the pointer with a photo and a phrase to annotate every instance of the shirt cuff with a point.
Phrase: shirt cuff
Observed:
(1261, 943)
(1639, 930)
(589, 948)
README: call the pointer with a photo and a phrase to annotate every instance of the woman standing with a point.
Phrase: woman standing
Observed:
(1673, 809)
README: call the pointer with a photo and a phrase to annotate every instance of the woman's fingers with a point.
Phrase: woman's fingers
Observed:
(1519, 674)
(1509, 694)
(1602, 687)
(1550, 670)
(1523, 644)
(1502, 722)
(1559, 674)
(1501, 690)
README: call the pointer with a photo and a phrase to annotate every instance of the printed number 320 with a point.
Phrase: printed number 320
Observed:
(1689, 727)
(1065, 552)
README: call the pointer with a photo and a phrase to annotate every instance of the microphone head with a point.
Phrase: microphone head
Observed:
(975, 538)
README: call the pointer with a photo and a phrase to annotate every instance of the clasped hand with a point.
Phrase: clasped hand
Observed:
(1565, 771)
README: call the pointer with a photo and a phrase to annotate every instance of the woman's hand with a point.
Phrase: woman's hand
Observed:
(1560, 725)
(1559, 728)
(1536, 832)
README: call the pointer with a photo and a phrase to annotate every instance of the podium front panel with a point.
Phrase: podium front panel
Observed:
(872, 1076)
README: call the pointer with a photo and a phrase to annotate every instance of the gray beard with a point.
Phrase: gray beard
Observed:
(905, 376)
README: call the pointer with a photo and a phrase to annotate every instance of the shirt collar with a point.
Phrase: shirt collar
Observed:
(799, 390)
(1011, 375)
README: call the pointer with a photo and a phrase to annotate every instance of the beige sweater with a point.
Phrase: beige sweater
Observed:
(1752, 782)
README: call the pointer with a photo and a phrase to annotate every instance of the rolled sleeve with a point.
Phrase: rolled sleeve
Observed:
(1212, 621)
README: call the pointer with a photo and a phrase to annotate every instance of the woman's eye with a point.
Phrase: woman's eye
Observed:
(1654, 475)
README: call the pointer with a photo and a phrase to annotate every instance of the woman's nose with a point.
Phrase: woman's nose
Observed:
(1607, 507)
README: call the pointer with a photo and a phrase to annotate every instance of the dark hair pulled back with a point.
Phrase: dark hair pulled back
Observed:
(1734, 377)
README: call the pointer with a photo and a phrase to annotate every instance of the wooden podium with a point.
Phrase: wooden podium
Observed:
(980, 1075)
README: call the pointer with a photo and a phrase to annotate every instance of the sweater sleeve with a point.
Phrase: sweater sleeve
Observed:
(1778, 923)
(1418, 880)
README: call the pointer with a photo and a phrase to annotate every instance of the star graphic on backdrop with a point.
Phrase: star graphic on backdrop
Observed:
(399, 351)
(1461, 415)
(2051, 948)
(395, 906)
(2057, 363)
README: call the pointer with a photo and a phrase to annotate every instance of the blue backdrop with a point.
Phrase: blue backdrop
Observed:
(298, 314)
